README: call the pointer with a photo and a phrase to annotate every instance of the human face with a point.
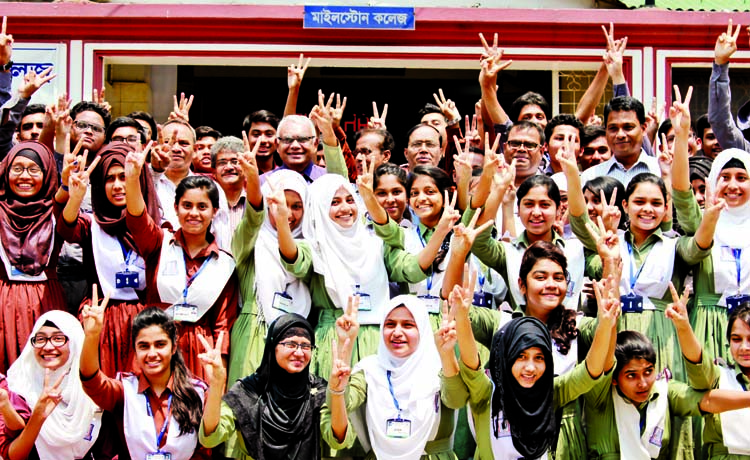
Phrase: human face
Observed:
(544, 288)
(733, 185)
(49, 356)
(297, 145)
(437, 120)
(182, 149)
(557, 140)
(593, 204)
(228, 171)
(293, 361)
(392, 196)
(202, 156)
(368, 149)
(529, 367)
(423, 148)
(127, 134)
(114, 185)
(739, 344)
(343, 208)
(532, 112)
(296, 209)
(400, 333)
(711, 146)
(625, 134)
(636, 379)
(31, 127)
(596, 152)
(88, 126)
(146, 127)
(426, 200)
(153, 351)
(195, 211)
(265, 134)
(527, 159)
(645, 207)
(693, 143)
(28, 182)
(699, 190)
(537, 212)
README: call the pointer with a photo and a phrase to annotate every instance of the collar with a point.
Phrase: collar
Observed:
(741, 377)
(305, 172)
(240, 201)
(523, 242)
(143, 384)
(612, 162)
(425, 231)
(211, 250)
(656, 235)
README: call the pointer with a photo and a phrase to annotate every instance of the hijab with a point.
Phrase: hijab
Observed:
(278, 413)
(62, 434)
(270, 275)
(734, 223)
(110, 217)
(344, 256)
(528, 411)
(416, 386)
(27, 226)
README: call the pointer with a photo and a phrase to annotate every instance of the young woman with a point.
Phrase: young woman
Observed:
(597, 192)
(158, 410)
(275, 412)
(60, 420)
(340, 258)
(109, 248)
(29, 249)
(389, 184)
(186, 272)
(399, 388)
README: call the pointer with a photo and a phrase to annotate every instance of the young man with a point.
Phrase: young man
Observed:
(594, 147)
(205, 138)
(710, 145)
(125, 129)
(32, 122)
(666, 129)
(556, 131)
(90, 122)
(260, 126)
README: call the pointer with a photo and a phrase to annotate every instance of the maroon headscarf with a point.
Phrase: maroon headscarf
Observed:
(26, 225)
(110, 217)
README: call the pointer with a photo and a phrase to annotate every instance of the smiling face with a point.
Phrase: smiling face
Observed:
(423, 147)
(228, 171)
(532, 112)
(153, 351)
(400, 333)
(645, 207)
(597, 151)
(699, 190)
(710, 144)
(296, 209)
(25, 177)
(537, 212)
(529, 367)
(182, 149)
(593, 204)
(49, 356)
(734, 186)
(202, 156)
(343, 209)
(636, 379)
(624, 134)
(114, 185)
(195, 211)
(524, 146)
(265, 134)
(296, 360)
(544, 288)
(426, 200)
(391, 195)
(739, 344)
(298, 145)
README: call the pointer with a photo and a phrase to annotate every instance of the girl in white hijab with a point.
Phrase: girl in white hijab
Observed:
(62, 423)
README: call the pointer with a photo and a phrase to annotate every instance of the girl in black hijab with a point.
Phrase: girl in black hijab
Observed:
(275, 412)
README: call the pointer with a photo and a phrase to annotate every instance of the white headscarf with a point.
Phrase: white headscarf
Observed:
(62, 434)
(416, 385)
(345, 257)
(270, 275)
(734, 223)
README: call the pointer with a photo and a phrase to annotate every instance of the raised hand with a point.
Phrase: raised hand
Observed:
(594, 120)
(377, 121)
(471, 134)
(6, 43)
(447, 107)
(461, 297)
(32, 81)
(78, 177)
(247, 158)
(450, 215)
(365, 180)
(566, 155)
(295, 73)
(93, 313)
(492, 63)
(462, 159)
(445, 336)
(322, 114)
(161, 154)
(613, 56)
(726, 44)
(99, 99)
(216, 373)
(607, 241)
(340, 370)
(714, 205)
(607, 295)
(181, 109)
(665, 158)
(610, 212)
(134, 161)
(464, 236)
(679, 113)
(347, 325)
(277, 204)
(677, 310)
(70, 159)
(50, 397)
(337, 112)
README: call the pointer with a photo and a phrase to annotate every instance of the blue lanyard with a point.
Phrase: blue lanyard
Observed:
(192, 278)
(429, 278)
(393, 394)
(633, 274)
(736, 253)
(160, 436)
(126, 254)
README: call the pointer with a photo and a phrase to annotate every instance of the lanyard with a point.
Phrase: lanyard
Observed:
(736, 253)
(127, 254)
(633, 273)
(393, 394)
(429, 278)
(192, 278)
(160, 435)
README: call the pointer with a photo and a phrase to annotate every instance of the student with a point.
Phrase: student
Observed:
(275, 412)
(157, 410)
(389, 184)
(186, 272)
(109, 249)
(60, 421)
(398, 389)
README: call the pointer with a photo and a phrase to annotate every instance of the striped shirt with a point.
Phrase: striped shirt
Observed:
(615, 169)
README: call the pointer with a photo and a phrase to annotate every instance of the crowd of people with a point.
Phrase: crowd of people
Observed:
(533, 287)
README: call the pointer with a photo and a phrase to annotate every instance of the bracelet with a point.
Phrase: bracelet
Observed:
(64, 187)
(334, 392)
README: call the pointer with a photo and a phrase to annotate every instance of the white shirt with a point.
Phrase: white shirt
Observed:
(616, 170)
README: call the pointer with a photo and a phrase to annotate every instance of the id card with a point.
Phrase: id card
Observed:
(365, 304)
(431, 302)
(502, 428)
(398, 428)
(571, 288)
(126, 279)
(736, 300)
(90, 433)
(482, 299)
(159, 456)
(282, 301)
(632, 303)
(185, 312)
(656, 436)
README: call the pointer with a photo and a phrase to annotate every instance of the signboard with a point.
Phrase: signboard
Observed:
(359, 17)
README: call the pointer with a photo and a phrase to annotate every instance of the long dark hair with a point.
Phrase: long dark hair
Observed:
(609, 185)
(632, 345)
(187, 406)
(201, 182)
(443, 182)
(742, 313)
(539, 180)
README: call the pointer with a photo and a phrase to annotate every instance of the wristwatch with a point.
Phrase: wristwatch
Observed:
(6, 67)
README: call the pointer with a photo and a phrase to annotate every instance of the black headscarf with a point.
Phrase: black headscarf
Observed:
(278, 413)
(528, 411)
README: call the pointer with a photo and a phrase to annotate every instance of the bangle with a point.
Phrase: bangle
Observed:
(64, 187)
(334, 392)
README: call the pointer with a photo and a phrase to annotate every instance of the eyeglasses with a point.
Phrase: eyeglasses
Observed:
(28, 126)
(132, 139)
(84, 125)
(418, 144)
(225, 163)
(57, 341)
(300, 139)
(524, 144)
(34, 170)
(600, 150)
(293, 346)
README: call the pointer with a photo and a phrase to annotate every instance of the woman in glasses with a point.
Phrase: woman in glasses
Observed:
(61, 421)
